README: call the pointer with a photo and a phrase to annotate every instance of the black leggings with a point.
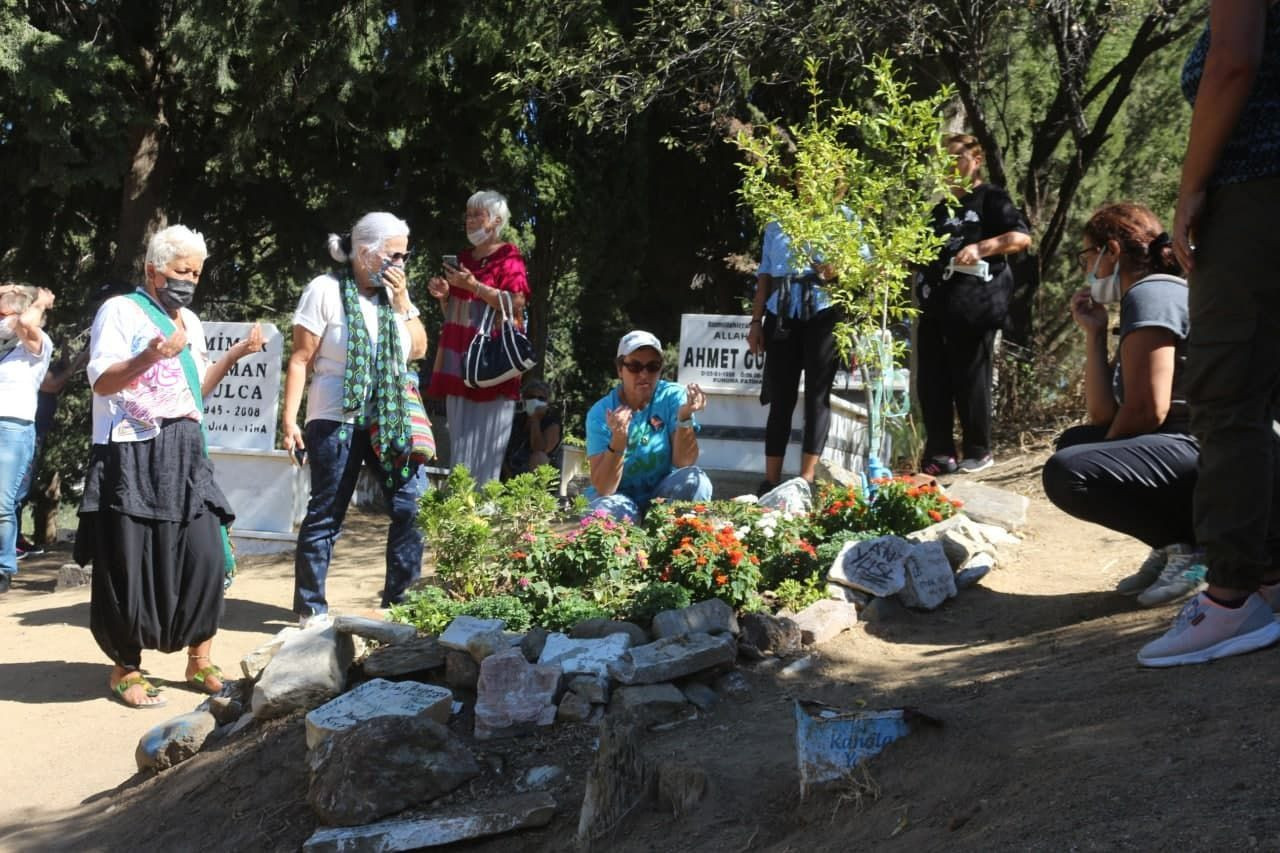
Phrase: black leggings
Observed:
(1140, 486)
(809, 346)
(953, 377)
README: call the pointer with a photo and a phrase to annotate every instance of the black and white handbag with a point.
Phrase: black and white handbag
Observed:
(492, 359)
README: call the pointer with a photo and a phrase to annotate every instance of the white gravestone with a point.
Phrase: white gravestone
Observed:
(930, 579)
(240, 413)
(378, 698)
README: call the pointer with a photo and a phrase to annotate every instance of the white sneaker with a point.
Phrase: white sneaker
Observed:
(974, 464)
(319, 621)
(1146, 574)
(1205, 630)
(1182, 575)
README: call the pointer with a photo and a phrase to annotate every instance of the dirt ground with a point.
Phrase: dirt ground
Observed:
(1053, 737)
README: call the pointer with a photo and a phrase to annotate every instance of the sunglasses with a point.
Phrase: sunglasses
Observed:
(399, 257)
(645, 366)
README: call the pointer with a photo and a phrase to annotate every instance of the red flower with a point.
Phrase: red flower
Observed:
(518, 555)
(721, 580)
(935, 515)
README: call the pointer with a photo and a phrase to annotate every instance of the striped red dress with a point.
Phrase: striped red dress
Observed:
(503, 270)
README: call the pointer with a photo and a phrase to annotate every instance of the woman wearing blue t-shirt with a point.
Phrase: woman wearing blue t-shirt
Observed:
(642, 440)
(1132, 468)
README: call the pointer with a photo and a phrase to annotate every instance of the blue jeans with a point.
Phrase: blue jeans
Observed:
(17, 446)
(682, 484)
(335, 465)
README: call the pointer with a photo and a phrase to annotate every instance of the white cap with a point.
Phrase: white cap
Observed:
(635, 340)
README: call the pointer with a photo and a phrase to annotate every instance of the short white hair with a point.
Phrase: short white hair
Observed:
(176, 241)
(371, 231)
(16, 298)
(495, 204)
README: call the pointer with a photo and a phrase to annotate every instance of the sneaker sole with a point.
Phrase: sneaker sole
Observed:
(1165, 599)
(973, 469)
(1254, 640)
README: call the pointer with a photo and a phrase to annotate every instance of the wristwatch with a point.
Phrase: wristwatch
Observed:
(411, 313)
(687, 423)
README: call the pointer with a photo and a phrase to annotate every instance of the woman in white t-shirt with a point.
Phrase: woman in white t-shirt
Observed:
(358, 377)
(152, 520)
(24, 359)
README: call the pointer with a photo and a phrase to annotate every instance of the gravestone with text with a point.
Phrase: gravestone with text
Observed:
(240, 412)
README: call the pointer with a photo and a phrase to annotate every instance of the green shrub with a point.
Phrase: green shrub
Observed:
(569, 611)
(795, 595)
(657, 597)
(427, 608)
(505, 607)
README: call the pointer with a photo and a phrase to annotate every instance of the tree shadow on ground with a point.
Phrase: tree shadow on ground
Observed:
(52, 681)
(982, 615)
(71, 614)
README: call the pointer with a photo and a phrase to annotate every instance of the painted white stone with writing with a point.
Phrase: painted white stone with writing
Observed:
(584, 657)
(378, 698)
(875, 566)
(930, 579)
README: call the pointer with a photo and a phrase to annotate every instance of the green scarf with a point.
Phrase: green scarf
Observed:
(379, 378)
(188, 362)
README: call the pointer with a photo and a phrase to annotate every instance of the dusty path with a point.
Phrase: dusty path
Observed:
(67, 740)
(1054, 738)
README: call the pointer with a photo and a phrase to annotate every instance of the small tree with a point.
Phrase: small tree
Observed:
(854, 188)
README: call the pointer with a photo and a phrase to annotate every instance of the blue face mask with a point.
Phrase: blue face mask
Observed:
(1103, 290)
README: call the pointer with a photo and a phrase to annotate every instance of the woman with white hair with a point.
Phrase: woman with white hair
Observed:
(24, 359)
(355, 330)
(479, 418)
(152, 520)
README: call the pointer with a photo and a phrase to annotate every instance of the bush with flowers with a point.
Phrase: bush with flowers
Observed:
(502, 550)
(705, 554)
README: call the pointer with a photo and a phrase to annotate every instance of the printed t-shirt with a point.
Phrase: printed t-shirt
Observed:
(647, 459)
(1159, 301)
(121, 330)
(320, 312)
(985, 212)
(21, 372)
(1252, 151)
(503, 269)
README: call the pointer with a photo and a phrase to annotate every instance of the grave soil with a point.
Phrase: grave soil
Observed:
(1053, 738)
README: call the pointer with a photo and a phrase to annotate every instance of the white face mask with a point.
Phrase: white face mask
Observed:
(1104, 290)
(478, 236)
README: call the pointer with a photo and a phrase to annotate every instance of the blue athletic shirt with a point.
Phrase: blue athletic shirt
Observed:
(647, 459)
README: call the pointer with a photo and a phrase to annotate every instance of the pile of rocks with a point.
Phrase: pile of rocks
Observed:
(382, 723)
(923, 569)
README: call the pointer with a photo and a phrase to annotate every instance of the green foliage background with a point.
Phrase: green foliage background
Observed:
(609, 125)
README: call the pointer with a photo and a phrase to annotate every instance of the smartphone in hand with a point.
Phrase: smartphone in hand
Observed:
(450, 262)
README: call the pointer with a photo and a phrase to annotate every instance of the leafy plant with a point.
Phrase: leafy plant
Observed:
(902, 506)
(428, 608)
(841, 508)
(656, 597)
(472, 531)
(508, 608)
(570, 610)
(797, 594)
(709, 560)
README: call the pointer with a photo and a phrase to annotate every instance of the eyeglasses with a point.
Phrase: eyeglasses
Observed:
(399, 257)
(1082, 257)
(646, 366)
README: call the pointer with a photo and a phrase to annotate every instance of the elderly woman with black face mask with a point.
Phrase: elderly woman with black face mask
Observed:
(152, 520)
(355, 331)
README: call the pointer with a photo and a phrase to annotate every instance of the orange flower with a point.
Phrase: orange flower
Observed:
(721, 580)
(735, 557)
(701, 561)
(518, 555)
(935, 515)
